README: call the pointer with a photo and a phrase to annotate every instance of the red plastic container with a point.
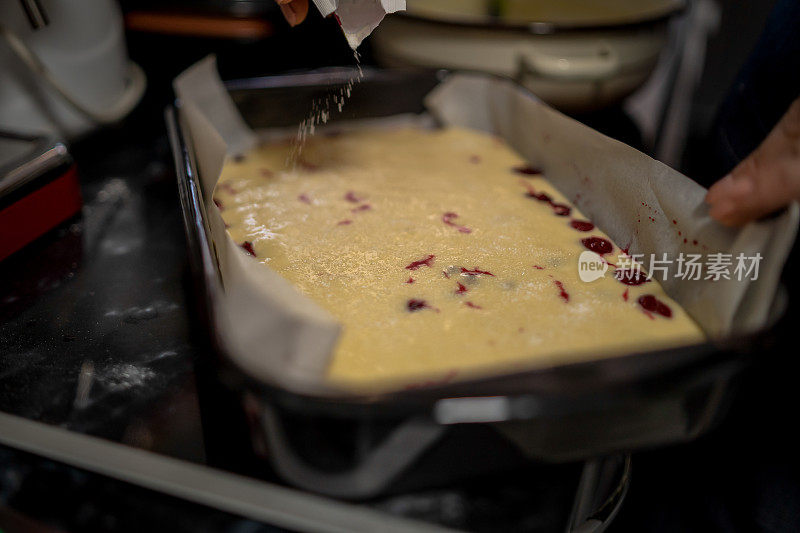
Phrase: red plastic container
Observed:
(39, 189)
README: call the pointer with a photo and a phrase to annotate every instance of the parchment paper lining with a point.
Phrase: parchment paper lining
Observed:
(277, 334)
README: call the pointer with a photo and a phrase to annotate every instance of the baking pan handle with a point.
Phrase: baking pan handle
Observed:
(379, 467)
(588, 515)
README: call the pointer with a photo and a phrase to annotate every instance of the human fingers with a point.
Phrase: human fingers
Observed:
(765, 181)
(295, 11)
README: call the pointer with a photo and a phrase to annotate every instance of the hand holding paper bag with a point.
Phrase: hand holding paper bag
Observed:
(357, 17)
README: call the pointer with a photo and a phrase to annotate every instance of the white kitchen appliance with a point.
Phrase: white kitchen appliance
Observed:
(64, 68)
(577, 55)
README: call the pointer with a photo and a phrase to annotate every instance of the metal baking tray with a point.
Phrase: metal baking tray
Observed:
(359, 447)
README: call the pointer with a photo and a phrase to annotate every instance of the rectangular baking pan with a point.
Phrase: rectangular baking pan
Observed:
(360, 447)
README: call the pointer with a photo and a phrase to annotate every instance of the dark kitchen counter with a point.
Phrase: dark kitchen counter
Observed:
(94, 330)
(98, 336)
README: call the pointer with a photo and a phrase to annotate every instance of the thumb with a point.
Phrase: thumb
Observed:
(767, 180)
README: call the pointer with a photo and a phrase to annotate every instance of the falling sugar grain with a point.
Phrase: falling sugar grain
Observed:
(321, 109)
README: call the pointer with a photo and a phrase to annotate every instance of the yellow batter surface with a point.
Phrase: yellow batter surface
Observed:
(441, 253)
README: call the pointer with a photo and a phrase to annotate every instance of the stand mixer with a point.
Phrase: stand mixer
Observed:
(64, 66)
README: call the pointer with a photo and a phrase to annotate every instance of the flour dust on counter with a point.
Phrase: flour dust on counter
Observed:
(442, 253)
